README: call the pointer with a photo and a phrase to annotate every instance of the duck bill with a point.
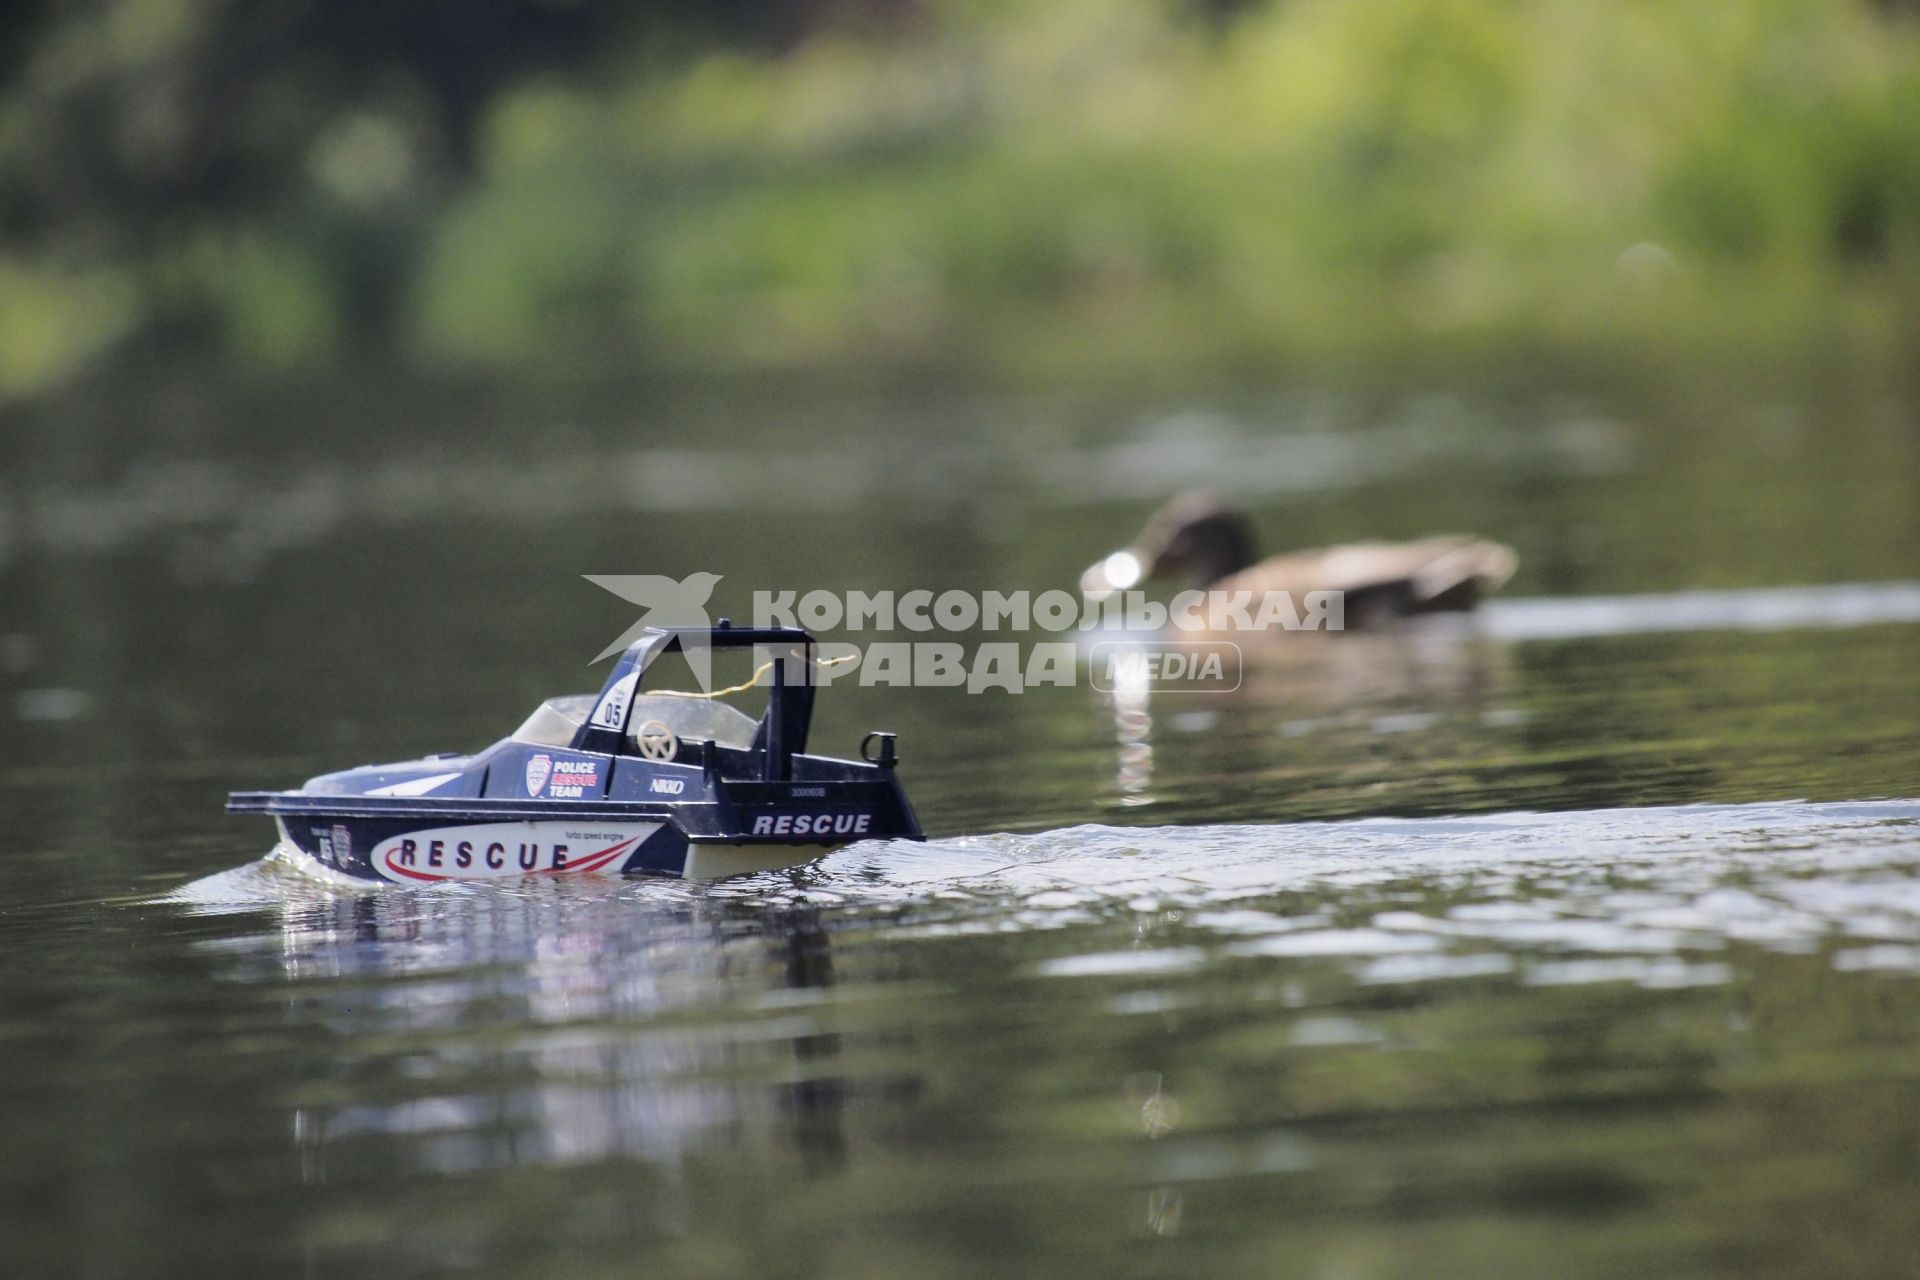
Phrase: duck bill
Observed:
(1118, 572)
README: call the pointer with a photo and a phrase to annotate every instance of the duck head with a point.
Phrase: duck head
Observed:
(1193, 538)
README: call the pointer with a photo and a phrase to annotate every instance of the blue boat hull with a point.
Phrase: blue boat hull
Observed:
(416, 841)
(425, 848)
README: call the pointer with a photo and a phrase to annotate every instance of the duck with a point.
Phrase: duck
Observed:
(1205, 543)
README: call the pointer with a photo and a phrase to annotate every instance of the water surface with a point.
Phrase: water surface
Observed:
(1581, 941)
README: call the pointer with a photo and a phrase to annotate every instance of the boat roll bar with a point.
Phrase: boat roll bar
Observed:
(789, 716)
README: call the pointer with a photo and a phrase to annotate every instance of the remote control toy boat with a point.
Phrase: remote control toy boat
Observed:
(623, 781)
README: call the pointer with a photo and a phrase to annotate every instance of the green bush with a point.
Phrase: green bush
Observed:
(1058, 181)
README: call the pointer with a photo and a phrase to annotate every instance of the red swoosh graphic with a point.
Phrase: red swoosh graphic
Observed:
(411, 875)
(593, 861)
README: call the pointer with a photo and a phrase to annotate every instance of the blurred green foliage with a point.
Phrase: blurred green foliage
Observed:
(1076, 185)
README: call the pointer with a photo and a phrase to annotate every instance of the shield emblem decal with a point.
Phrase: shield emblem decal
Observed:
(539, 769)
(341, 846)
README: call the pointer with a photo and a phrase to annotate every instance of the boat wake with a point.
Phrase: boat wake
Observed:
(1636, 891)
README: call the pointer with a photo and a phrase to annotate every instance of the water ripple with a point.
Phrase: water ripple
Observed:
(1655, 892)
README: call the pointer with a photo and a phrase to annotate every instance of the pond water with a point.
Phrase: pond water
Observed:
(1581, 941)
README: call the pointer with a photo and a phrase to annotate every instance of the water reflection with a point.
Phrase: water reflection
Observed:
(1428, 674)
(1159, 1115)
(542, 1024)
(1131, 695)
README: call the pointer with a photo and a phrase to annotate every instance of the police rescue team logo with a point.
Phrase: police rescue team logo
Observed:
(574, 779)
(340, 846)
(562, 779)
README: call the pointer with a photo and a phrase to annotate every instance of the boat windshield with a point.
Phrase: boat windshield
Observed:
(693, 720)
(555, 722)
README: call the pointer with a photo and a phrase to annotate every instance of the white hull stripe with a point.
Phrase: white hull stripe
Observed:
(502, 849)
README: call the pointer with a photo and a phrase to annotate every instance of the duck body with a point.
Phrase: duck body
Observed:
(1447, 573)
(1206, 544)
